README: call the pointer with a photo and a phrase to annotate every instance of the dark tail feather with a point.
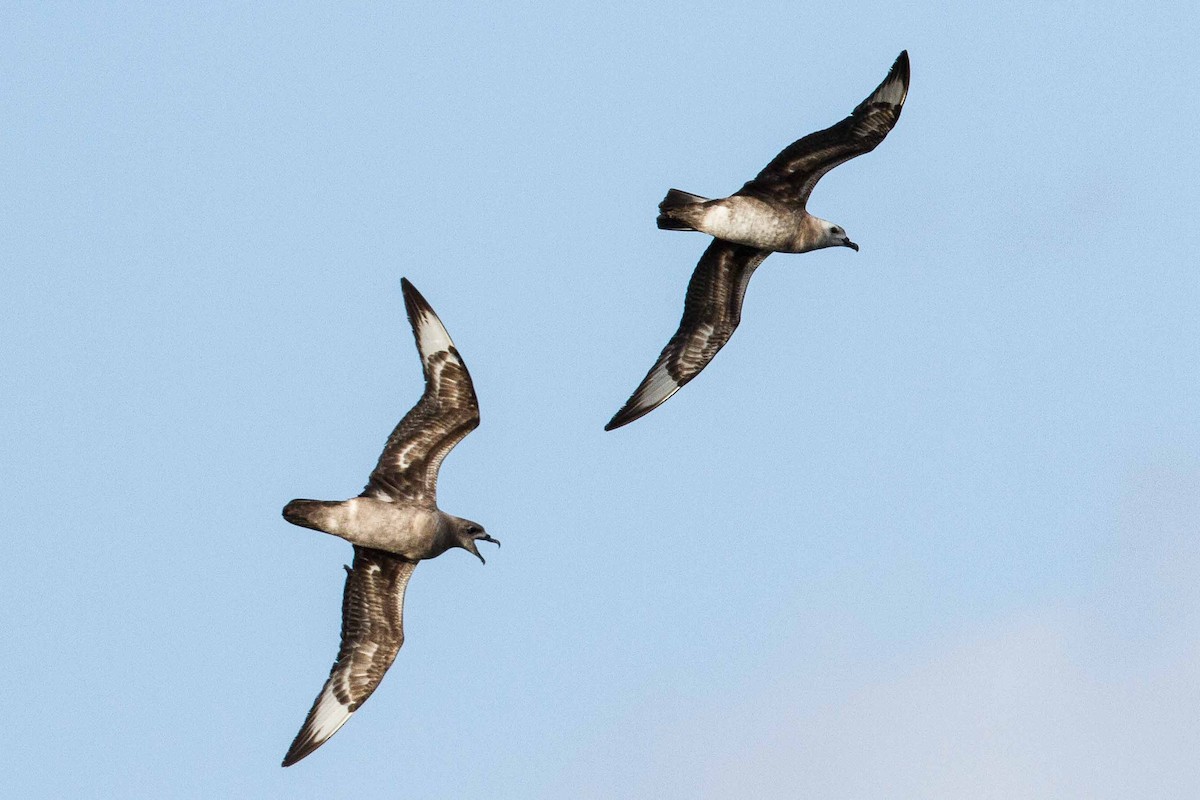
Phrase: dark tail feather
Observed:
(674, 201)
(304, 512)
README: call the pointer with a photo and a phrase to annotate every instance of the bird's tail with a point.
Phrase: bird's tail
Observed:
(309, 513)
(673, 211)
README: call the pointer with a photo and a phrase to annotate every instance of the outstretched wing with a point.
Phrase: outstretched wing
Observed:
(448, 411)
(372, 632)
(711, 312)
(791, 175)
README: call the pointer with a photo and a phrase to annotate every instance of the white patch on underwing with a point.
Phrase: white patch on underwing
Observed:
(329, 715)
(432, 337)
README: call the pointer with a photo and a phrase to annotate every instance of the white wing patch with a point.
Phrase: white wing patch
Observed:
(712, 310)
(893, 90)
(447, 411)
(658, 389)
(432, 337)
(892, 93)
(328, 717)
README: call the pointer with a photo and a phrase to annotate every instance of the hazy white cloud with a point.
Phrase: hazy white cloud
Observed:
(1021, 712)
(1098, 696)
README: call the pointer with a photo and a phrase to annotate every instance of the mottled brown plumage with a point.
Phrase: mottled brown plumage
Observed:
(767, 215)
(790, 177)
(712, 310)
(393, 524)
(446, 413)
(372, 634)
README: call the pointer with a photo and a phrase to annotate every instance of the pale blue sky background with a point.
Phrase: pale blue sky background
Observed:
(927, 527)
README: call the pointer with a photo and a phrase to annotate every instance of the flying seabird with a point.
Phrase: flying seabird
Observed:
(393, 524)
(765, 216)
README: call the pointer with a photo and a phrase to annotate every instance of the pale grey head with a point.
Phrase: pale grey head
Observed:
(835, 236)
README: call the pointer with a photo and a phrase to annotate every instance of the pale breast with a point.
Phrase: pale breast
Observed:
(754, 222)
(408, 531)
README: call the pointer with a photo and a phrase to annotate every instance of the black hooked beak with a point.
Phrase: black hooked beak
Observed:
(484, 538)
(850, 244)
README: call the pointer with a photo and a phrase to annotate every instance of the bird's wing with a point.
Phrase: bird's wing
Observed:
(372, 632)
(711, 312)
(447, 411)
(791, 175)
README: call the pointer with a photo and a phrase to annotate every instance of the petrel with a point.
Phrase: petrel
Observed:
(765, 216)
(393, 524)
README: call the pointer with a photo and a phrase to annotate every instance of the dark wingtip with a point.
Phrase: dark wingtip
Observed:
(897, 77)
(414, 301)
(900, 72)
(305, 743)
(625, 416)
(616, 421)
(417, 307)
(291, 758)
(297, 751)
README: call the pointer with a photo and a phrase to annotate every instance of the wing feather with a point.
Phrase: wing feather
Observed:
(372, 633)
(712, 310)
(447, 411)
(791, 175)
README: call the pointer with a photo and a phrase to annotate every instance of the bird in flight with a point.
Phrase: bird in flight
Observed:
(765, 216)
(393, 524)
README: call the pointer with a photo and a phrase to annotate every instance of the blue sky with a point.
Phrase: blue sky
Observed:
(925, 527)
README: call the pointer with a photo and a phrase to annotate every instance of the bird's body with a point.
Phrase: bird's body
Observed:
(393, 524)
(767, 215)
(752, 221)
(411, 531)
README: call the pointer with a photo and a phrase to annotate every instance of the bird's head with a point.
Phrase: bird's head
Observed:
(467, 533)
(835, 236)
